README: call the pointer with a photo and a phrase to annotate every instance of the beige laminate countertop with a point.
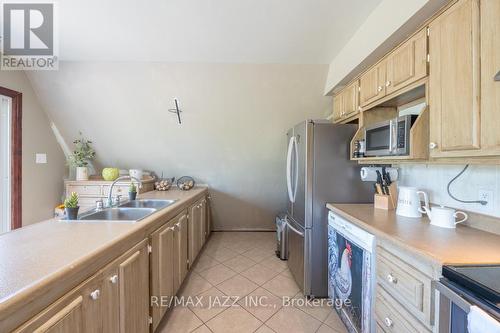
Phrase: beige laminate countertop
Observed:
(38, 257)
(463, 245)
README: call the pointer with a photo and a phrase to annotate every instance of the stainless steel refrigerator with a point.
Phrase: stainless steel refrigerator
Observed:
(318, 171)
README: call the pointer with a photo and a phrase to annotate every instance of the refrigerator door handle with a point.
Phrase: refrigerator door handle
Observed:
(296, 150)
(301, 234)
(289, 170)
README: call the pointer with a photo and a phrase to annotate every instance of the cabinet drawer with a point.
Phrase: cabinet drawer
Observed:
(392, 318)
(84, 189)
(406, 284)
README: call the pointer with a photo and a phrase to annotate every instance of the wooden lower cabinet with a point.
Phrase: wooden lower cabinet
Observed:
(197, 228)
(113, 300)
(118, 297)
(162, 271)
(181, 262)
(133, 275)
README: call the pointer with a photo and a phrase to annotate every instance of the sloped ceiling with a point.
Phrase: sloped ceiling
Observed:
(220, 31)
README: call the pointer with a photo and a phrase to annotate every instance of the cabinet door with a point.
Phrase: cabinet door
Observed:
(454, 81)
(194, 232)
(372, 84)
(490, 66)
(180, 250)
(408, 63)
(337, 107)
(162, 270)
(67, 319)
(208, 217)
(111, 300)
(202, 211)
(351, 99)
(79, 311)
(133, 275)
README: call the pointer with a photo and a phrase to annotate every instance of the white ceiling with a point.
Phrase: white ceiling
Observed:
(221, 31)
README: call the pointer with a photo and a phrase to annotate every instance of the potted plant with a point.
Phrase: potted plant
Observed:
(81, 156)
(132, 191)
(71, 206)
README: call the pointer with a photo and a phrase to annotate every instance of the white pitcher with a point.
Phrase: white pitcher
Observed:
(443, 217)
(409, 201)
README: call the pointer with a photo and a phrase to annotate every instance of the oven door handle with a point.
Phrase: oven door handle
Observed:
(454, 297)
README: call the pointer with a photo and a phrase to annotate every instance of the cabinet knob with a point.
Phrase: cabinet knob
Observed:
(388, 83)
(114, 279)
(95, 294)
(388, 322)
(392, 279)
(433, 145)
(380, 88)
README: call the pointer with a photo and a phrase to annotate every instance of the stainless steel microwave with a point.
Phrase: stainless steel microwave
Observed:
(390, 137)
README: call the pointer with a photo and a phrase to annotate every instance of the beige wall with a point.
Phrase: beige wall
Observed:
(234, 122)
(42, 183)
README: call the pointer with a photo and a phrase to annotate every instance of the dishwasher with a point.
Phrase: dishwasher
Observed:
(351, 273)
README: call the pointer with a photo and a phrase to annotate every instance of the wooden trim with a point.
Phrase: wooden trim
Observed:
(16, 156)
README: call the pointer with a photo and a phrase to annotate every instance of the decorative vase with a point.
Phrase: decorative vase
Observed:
(82, 173)
(132, 195)
(72, 213)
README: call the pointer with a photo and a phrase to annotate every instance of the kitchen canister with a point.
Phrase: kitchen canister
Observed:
(409, 201)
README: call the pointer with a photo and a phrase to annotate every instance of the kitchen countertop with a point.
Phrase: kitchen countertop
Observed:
(37, 257)
(463, 245)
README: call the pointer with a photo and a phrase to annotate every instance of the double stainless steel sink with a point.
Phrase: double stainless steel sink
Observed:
(129, 211)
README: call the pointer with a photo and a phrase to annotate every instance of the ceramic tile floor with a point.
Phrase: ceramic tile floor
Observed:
(237, 285)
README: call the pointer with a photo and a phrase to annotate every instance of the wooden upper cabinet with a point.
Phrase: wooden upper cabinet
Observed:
(490, 66)
(454, 96)
(346, 102)
(372, 84)
(408, 63)
(351, 99)
(337, 107)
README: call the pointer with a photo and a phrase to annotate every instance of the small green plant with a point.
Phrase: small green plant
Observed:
(132, 188)
(71, 201)
(83, 153)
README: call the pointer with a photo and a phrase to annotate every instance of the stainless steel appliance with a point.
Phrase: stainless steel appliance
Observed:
(463, 287)
(318, 171)
(389, 137)
(351, 273)
(281, 237)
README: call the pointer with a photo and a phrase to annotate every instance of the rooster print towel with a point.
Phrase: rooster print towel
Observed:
(348, 281)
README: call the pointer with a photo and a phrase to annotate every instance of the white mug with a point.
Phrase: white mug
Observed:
(444, 217)
(137, 173)
(409, 201)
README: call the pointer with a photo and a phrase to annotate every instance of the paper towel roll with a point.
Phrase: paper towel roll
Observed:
(369, 174)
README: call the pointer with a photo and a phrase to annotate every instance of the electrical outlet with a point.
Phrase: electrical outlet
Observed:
(486, 195)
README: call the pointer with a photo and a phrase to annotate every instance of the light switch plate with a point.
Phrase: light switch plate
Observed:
(40, 158)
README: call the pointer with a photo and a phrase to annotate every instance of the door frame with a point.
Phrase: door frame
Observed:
(16, 157)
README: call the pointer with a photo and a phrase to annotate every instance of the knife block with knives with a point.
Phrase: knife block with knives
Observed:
(387, 201)
(385, 191)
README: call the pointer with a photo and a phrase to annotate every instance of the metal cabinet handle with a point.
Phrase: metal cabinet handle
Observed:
(388, 322)
(114, 279)
(392, 279)
(95, 294)
(388, 83)
(380, 88)
(433, 145)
